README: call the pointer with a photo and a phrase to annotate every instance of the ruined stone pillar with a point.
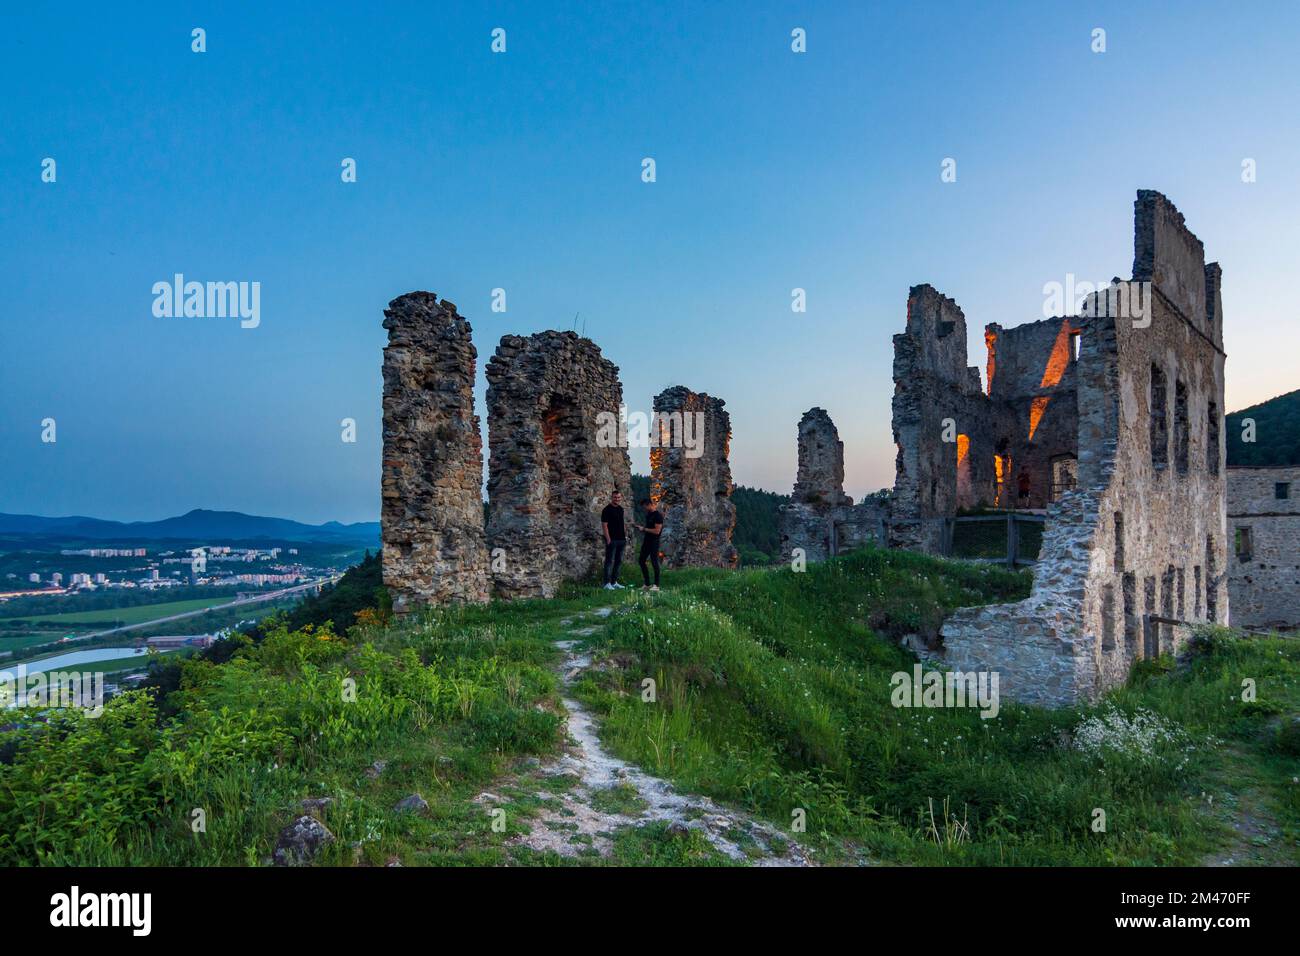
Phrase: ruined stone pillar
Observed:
(549, 471)
(820, 519)
(807, 522)
(691, 479)
(821, 461)
(432, 505)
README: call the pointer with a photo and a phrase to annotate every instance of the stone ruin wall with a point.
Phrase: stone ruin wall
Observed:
(433, 549)
(694, 493)
(1264, 579)
(1144, 533)
(820, 518)
(548, 475)
(932, 382)
(1033, 383)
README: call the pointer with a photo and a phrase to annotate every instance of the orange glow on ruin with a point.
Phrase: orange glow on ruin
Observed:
(1036, 408)
(990, 343)
(963, 448)
(1057, 363)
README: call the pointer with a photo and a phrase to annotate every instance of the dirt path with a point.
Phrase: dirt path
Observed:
(608, 794)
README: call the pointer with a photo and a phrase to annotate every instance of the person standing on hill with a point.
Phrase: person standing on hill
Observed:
(611, 524)
(654, 525)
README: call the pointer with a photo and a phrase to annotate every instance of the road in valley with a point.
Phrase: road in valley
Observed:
(239, 602)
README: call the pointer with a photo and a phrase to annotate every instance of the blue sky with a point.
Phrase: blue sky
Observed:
(521, 170)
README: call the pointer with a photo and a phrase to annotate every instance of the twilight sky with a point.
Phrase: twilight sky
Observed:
(522, 170)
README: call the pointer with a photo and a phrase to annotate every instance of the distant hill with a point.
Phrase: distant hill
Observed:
(199, 523)
(1277, 433)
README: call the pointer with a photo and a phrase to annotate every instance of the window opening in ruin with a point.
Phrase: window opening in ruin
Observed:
(1282, 490)
(1182, 429)
(1159, 414)
(1065, 475)
(1182, 594)
(1211, 582)
(1212, 440)
(1130, 612)
(1166, 605)
(1108, 618)
(990, 344)
(964, 493)
(1119, 541)
(1242, 544)
(1075, 340)
(1196, 592)
(1149, 648)
(560, 441)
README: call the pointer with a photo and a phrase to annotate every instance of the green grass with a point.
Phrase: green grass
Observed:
(137, 614)
(772, 693)
(17, 641)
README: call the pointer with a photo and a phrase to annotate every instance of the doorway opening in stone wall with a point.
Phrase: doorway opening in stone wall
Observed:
(1065, 475)
(562, 437)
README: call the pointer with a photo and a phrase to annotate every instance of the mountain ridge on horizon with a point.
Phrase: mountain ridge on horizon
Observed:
(196, 522)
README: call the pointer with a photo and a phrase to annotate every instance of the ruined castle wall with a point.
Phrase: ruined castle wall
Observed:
(820, 519)
(1144, 534)
(432, 508)
(1264, 563)
(694, 491)
(1032, 376)
(548, 474)
(932, 383)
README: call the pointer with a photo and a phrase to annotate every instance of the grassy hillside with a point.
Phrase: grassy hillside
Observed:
(773, 694)
(1277, 433)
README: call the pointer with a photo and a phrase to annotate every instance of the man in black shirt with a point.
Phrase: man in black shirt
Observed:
(611, 523)
(654, 525)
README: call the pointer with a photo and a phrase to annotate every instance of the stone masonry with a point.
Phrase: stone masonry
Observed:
(432, 509)
(548, 475)
(958, 446)
(820, 519)
(1142, 533)
(693, 491)
(1264, 566)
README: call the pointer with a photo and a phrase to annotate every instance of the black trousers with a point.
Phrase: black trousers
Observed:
(613, 558)
(649, 551)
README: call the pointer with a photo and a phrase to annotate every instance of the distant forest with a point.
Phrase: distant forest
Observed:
(1277, 433)
(756, 536)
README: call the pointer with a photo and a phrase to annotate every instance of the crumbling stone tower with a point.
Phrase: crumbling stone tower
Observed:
(820, 478)
(820, 519)
(940, 416)
(548, 475)
(432, 508)
(692, 486)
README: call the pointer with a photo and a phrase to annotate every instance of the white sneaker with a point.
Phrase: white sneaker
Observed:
(617, 586)
(655, 588)
(609, 587)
